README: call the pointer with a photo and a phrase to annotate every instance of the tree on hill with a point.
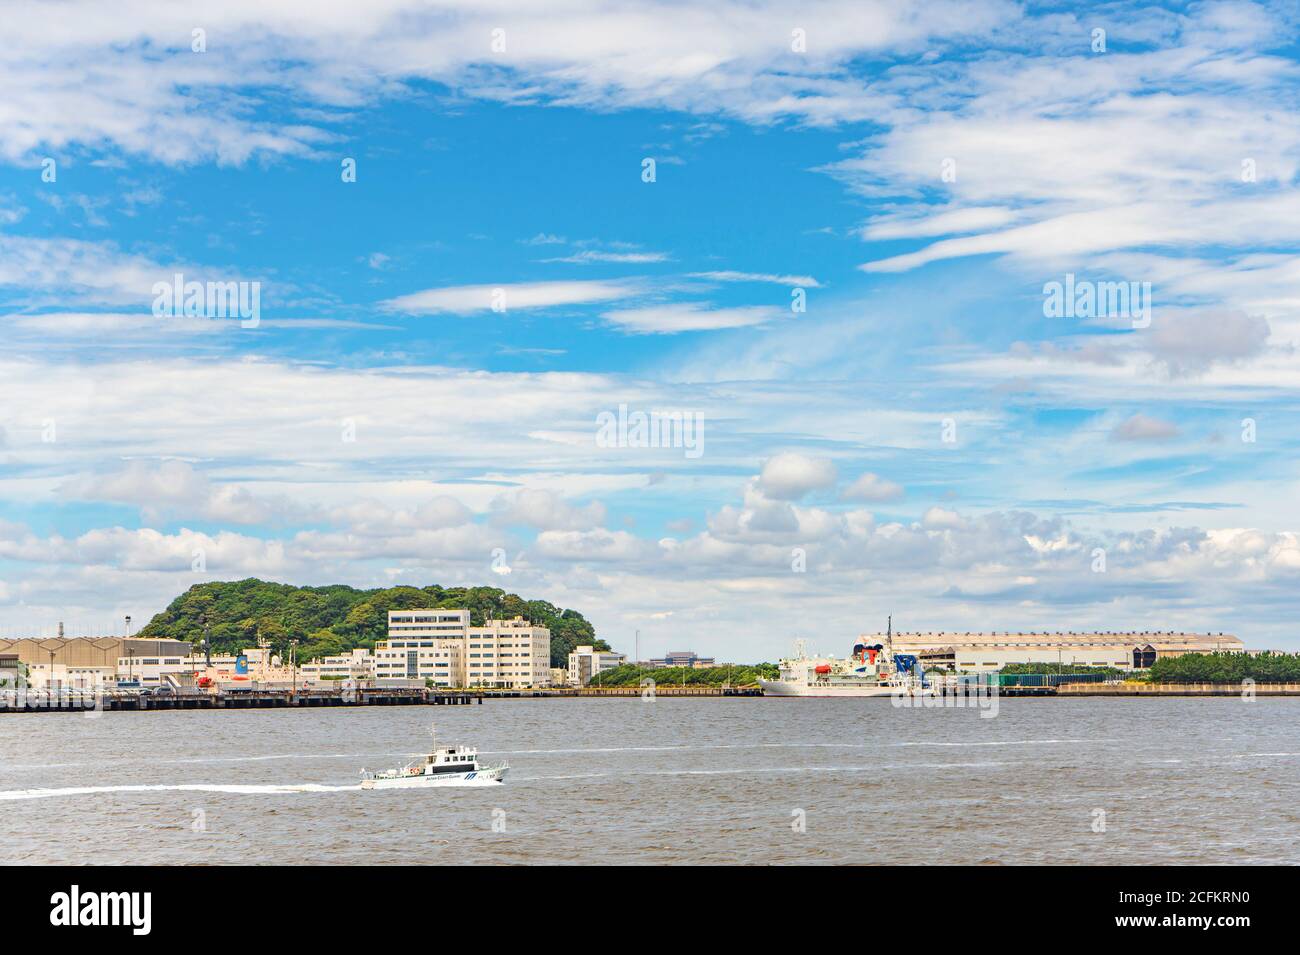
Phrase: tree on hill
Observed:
(331, 620)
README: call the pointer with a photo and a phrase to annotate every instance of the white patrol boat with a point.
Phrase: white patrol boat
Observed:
(444, 766)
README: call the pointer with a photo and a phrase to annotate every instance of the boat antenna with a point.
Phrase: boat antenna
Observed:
(889, 633)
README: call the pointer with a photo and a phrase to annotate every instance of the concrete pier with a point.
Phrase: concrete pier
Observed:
(40, 701)
(613, 692)
(1178, 689)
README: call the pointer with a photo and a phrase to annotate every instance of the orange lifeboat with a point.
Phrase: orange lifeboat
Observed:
(822, 668)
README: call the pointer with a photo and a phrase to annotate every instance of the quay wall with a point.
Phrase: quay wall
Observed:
(1177, 689)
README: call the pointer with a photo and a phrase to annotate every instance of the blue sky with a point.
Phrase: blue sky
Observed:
(921, 440)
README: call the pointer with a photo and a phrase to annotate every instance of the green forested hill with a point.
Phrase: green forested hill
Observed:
(334, 619)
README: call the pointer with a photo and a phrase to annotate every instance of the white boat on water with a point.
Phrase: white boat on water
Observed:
(444, 766)
(872, 670)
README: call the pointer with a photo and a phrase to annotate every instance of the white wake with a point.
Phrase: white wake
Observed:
(245, 790)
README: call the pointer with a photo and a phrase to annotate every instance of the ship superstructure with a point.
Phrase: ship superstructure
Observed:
(871, 670)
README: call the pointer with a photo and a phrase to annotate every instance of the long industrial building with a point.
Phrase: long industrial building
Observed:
(88, 661)
(1134, 649)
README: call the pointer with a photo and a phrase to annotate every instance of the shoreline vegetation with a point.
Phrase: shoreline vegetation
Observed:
(740, 674)
(1228, 669)
(1235, 668)
(331, 620)
(1061, 669)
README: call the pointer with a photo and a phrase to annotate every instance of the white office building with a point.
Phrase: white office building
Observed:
(413, 658)
(357, 665)
(427, 623)
(587, 663)
(441, 646)
(508, 653)
(152, 670)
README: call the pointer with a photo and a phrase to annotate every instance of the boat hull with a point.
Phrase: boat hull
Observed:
(785, 688)
(480, 777)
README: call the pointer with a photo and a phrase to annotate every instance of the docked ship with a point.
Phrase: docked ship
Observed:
(872, 670)
(444, 766)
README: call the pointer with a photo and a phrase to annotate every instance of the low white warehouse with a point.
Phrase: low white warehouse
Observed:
(1134, 649)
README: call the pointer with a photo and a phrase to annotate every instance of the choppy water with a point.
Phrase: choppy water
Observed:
(676, 780)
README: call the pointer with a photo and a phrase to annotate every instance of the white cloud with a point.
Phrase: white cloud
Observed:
(677, 317)
(467, 299)
(171, 488)
(790, 476)
(146, 549)
(1065, 159)
(84, 324)
(1190, 343)
(588, 256)
(369, 517)
(806, 281)
(545, 510)
(1142, 427)
(872, 487)
(96, 272)
(593, 545)
(937, 518)
(118, 77)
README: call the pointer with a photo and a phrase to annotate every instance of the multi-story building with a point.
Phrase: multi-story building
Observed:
(357, 665)
(423, 645)
(428, 624)
(683, 658)
(441, 646)
(153, 669)
(411, 658)
(587, 663)
(508, 653)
